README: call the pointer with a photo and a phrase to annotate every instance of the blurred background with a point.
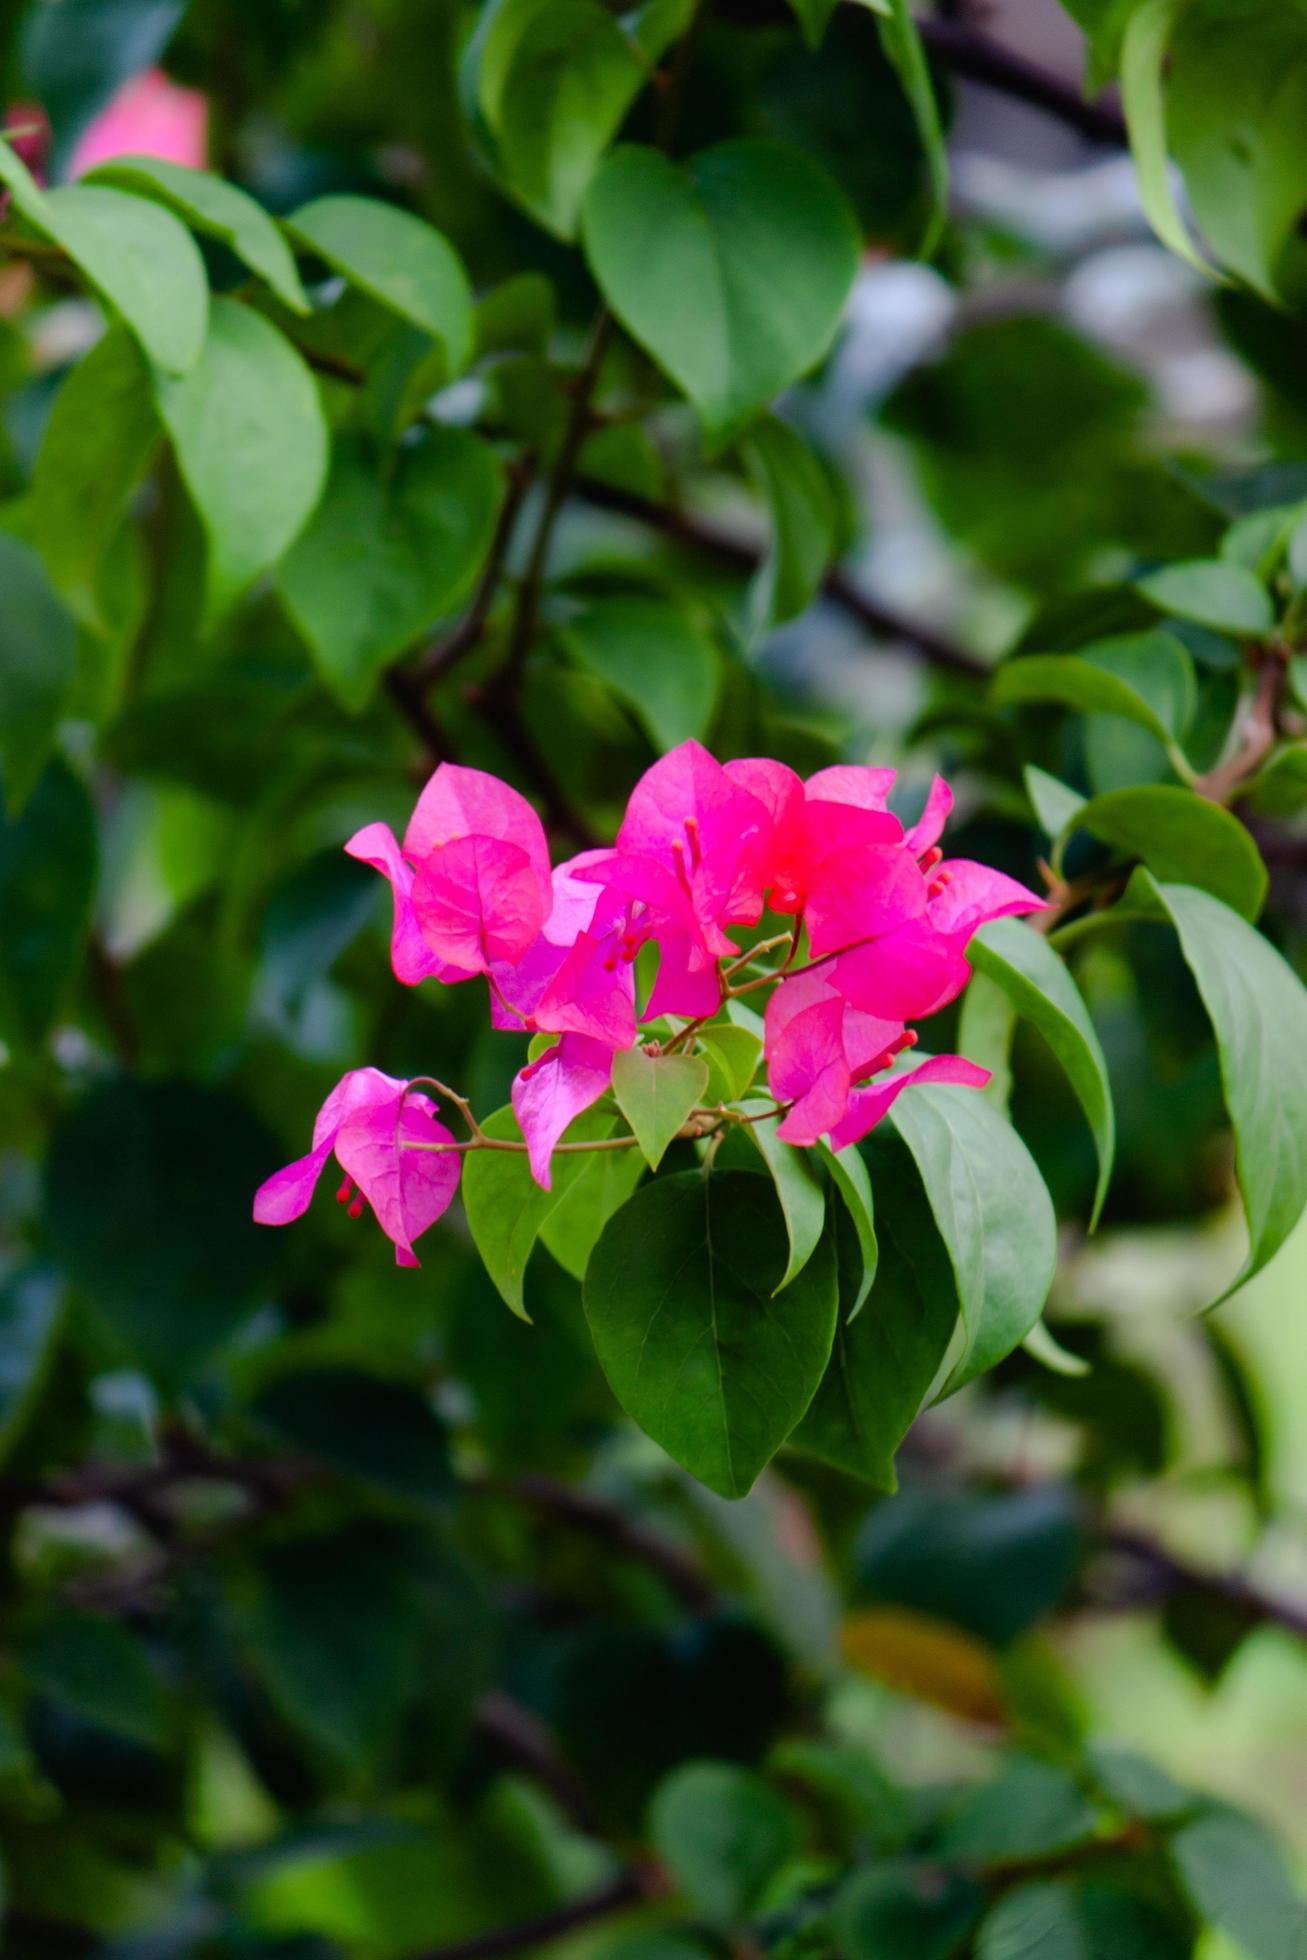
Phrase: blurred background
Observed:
(257, 1706)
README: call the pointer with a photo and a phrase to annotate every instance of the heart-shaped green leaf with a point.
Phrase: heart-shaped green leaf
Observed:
(656, 1093)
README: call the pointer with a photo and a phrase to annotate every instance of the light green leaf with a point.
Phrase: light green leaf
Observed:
(722, 1832)
(593, 1193)
(251, 442)
(1180, 836)
(849, 1174)
(901, 41)
(38, 642)
(733, 1055)
(1280, 789)
(99, 438)
(656, 1093)
(379, 563)
(1258, 1010)
(764, 240)
(803, 1201)
(506, 1209)
(994, 1215)
(27, 195)
(557, 78)
(1054, 803)
(1146, 678)
(679, 1300)
(655, 658)
(803, 518)
(218, 209)
(399, 260)
(1032, 1810)
(1235, 1877)
(1143, 59)
(1044, 1347)
(141, 261)
(883, 1361)
(1214, 593)
(1036, 981)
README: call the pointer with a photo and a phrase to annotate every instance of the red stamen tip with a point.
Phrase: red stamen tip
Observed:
(342, 1196)
(356, 1208)
(937, 885)
(931, 858)
(909, 1038)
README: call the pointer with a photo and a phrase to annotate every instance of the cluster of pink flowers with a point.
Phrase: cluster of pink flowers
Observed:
(704, 848)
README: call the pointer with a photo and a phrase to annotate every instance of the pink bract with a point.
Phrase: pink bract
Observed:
(152, 117)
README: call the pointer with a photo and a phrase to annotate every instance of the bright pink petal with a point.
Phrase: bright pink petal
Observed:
(287, 1193)
(806, 1062)
(551, 1091)
(592, 993)
(150, 116)
(851, 782)
(928, 828)
(904, 975)
(407, 1189)
(575, 898)
(971, 894)
(459, 802)
(867, 1106)
(686, 986)
(410, 956)
(780, 853)
(861, 892)
(359, 1089)
(688, 814)
(479, 900)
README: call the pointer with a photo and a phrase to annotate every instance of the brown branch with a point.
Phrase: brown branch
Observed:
(1259, 731)
(714, 541)
(989, 63)
(443, 654)
(522, 1739)
(629, 1888)
(1167, 1574)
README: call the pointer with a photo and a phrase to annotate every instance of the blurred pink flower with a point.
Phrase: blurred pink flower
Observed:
(150, 116)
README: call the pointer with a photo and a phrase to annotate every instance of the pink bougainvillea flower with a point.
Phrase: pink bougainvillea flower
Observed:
(861, 880)
(410, 956)
(867, 1106)
(152, 117)
(554, 1089)
(922, 965)
(780, 852)
(817, 1047)
(366, 1120)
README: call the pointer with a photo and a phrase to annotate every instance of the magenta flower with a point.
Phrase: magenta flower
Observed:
(366, 1121)
(150, 116)
(920, 966)
(553, 1090)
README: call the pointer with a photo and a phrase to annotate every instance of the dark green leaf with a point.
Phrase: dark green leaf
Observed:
(696, 1349)
(901, 40)
(994, 1214)
(95, 1668)
(30, 1309)
(849, 1176)
(722, 1832)
(762, 237)
(37, 645)
(792, 1171)
(1183, 837)
(656, 660)
(1146, 678)
(251, 442)
(1033, 1810)
(47, 879)
(383, 1434)
(803, 517)
(905, 1911)
(379, 563)
(1025, 966)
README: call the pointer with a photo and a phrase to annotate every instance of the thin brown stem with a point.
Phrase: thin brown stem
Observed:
(1259, 732)
(627, 1889)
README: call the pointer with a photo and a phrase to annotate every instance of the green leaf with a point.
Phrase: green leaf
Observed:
(38, 642)
(251, 443)
(600, 1184)
(722, 1832)
(656, 660)
(556, 80)
(656, 1093)
(1054, 803)
(1036, 981)
(994, 1215)
(382, 1434)
(99, 438)
(1032, 1810)
(761, 236)
(1280, 789)
(803, 520)
(93, 1667)
(47, 880)
(517, 317)
(31, 1303)
(217, 208)
(813, 17)
(397, 259)
(850, 1178)
(1183, 838)
(1258, 1011)
(901, 40)
(905, 1911)
(1146, 678)
(379, 563)
(1143, 59)
(803, 1202)
(733, 1055)
(148, 1214)
(883, 1361)
(695, 1348)
(1212, 592)
(141, 261)
(506, 1209)
(1235, 1877)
